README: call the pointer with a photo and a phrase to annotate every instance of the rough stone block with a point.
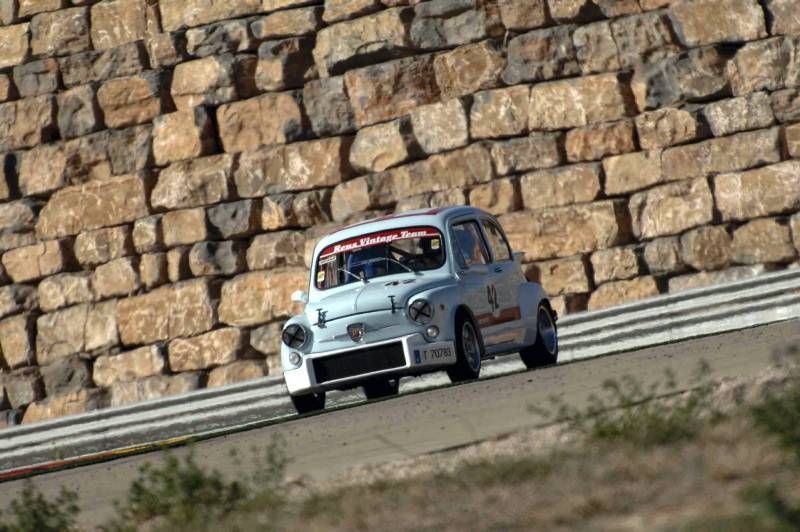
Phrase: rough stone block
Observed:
(27, 123)
(312, 207)
(632, 171)
(132, 100)
(178, 264)
(23, 387)
(62, 32)
(16, 341)
(67, 404)
(762, 241)
(644, 38)
(27, 8)
(7, 89)
(37, 78)
(193, 182)
(185, 226)
(374, 38)
(166, 49)
(64, 290)
(16, 298)
(229, 36)
(208, 350)
(100, 66)
(42, 169)
(119, 277)
(589, 10)
(178, 14)
(540, 55)
(697, 280)
(285, 64)
(183, 135)
(150, 388)
(733, 21)
(261, 121)
(234, 220)
(441, 126)
(593, 142)
(469, 69)
(615, 264)
(578, 102)
(130, 150)
(294, 167)
(595, 48)
(240, 371)
(207, 81)
(782, 17)
(74, 330)
(65, 376)
(267, 339)
(792, 138)
(328, 106)
(78, 112)
(184, 309)
(389, 90)
(618, 292)
(128, 366)
(663, 255)
(706, 248)
(769, 64)
(764, 191)
(565, 231)
(103, 245)
(561, 276)
(667, 127)
(724, 154)
(15, 47)
(147, 236)
(153, 270)
(579, 183)
(289, 23)
(382, 146)
(500, 113)
(496, 197)
(697, 74)
(118, 22)
(537, 151)
(260, 297)
(445, 24)
(729, 116)
(671, 209)
(276, 250)
(519, 15)
(31, 263)
(216, 258)
(786, 105)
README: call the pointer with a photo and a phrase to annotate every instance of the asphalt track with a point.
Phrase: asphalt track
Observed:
(432, 420)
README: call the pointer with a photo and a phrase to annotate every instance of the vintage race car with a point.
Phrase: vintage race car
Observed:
(409, 294)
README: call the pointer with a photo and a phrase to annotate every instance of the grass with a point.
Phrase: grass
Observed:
(638, 457)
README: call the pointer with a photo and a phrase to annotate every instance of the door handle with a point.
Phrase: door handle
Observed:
(498, 269)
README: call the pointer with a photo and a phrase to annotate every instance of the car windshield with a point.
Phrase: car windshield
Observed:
(366, 257)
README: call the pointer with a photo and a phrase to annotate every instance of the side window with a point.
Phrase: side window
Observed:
(497, 241)
(469, 242)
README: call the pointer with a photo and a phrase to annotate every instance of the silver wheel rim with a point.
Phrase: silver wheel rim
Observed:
(470, 342)
(547, 331)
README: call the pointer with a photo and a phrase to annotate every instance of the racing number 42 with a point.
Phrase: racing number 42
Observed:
(491, 294)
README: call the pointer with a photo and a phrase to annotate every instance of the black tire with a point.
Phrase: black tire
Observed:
(305, 404)
(468, 359)
(378, 389)
(545, 351)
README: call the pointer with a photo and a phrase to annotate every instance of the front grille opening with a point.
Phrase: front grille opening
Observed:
(359, 362)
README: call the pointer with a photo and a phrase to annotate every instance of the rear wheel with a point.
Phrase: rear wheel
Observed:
(379, 389)
(305, 404)
(545, 351)
(469, 351)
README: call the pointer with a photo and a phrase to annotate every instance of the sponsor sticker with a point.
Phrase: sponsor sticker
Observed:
(320, 277)
(435, 244)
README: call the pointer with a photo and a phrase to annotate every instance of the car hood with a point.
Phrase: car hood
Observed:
(374, 296)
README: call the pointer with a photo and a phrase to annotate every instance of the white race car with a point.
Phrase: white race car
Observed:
(409, 294)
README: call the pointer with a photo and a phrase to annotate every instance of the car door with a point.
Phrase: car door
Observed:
(472, 259)
(505, 277)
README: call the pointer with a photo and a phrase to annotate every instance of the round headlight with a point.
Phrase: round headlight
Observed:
(432, 331)
(294, 358)
(294, 336)
(420, 311)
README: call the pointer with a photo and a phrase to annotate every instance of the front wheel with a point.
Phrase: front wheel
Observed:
(378, 389)
(545, 351)
(469, 351)
(305, 404)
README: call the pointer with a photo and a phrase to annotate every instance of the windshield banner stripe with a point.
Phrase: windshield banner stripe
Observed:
(376, 239)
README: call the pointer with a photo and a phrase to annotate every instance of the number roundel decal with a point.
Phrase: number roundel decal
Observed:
(420, 311)
(491, 294)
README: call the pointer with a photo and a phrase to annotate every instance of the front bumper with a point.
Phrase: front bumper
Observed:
(347, 368)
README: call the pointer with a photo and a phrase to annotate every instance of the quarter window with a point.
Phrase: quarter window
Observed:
(469, 242)
(497, 241)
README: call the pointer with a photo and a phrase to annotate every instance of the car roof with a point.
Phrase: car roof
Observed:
(436, 217)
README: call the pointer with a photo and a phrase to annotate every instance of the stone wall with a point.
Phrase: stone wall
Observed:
(167, 165)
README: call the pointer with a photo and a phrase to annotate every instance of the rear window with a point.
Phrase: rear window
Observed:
(412, 249)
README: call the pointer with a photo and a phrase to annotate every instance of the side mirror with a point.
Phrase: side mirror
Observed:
(299, 296)
(518, 256)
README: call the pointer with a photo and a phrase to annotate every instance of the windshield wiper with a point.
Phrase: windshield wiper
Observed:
(351, 274)
(378, 259)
